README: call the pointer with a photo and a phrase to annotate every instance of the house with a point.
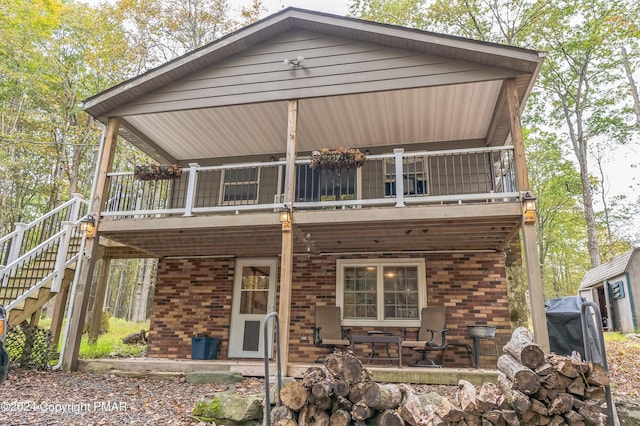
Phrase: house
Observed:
(250, 227)
(615, 288)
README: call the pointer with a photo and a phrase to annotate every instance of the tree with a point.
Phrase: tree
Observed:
(579, 76)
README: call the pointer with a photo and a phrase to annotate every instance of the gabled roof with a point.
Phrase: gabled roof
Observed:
(222, 75)
(601, 273)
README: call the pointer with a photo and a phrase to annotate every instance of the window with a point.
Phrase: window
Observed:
(240, 186)
(414, 171)
(381, 292)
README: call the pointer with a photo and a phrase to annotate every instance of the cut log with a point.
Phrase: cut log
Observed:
(524, 378)
(361, 411)
(342, 403)
(340, 418)
(573, 418)
(494, 417)
(564, 365)
(489, 397)
(282, 413)
(448, 412)
(294, 395)
(323, 403)
(590, 414)
(313, 375)
(556, 381)
(595, 393)
(322, 389)
(518, 400)
(285, 422)
(562, 404)
(311, 415)
(597, 375)
(545, 369)
(577, 387)
(467, 397)
(522, 348)
(355, 394)
(388, 418)
(382, 397)
(410, 409)
(510, 417)
(538, 407)
(340, 387)
(347, 367)
(557, 421)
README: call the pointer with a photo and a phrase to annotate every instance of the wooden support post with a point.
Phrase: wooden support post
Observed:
(534, 276)
(34, 320)
(81, 298)
(517, 138)
(286, 259)
(58, 316)
(98, 300)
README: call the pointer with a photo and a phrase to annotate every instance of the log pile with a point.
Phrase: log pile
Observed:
(532, 389)
(342, 393)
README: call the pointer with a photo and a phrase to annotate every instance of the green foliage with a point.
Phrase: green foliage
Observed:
(110, 344)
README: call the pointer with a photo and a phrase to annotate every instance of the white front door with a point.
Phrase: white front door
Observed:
(254, 292)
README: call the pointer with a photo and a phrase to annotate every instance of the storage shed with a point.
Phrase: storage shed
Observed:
(615, 288)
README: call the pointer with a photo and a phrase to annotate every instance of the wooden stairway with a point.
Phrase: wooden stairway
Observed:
(38, 273)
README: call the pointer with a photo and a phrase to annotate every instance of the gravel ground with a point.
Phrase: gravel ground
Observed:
(51, 398)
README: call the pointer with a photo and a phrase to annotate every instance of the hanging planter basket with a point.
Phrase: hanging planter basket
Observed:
(334, 159)
(154, 171)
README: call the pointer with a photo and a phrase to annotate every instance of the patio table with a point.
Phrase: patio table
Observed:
(378, 337)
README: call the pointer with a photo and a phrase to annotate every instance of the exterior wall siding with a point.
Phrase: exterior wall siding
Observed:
(194, 296)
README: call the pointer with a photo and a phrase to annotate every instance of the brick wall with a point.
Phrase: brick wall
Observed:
(194, 296)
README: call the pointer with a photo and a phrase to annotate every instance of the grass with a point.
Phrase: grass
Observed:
(614, 336)
(109, 345)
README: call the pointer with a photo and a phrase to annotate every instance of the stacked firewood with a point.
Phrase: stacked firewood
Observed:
(341, 394)
(551, 389)
(533, 389)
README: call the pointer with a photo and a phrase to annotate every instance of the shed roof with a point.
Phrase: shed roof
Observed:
(169, 111)
(607, 270)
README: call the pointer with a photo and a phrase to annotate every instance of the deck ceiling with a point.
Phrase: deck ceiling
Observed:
(417, 229)
(378, 119)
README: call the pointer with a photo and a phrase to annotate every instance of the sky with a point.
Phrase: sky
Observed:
(337, 7)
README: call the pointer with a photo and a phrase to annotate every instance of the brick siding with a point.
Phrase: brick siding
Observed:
(193, 296)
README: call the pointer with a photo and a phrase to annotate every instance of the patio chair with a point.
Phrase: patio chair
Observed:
(431, 336)
(328, 332)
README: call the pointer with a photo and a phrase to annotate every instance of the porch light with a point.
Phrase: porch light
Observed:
(88, 226)
(285, 217)
(529, 208)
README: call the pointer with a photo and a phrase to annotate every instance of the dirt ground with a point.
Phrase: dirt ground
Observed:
(47, 398)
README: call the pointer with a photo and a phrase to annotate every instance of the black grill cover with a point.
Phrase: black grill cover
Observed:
(565, 328)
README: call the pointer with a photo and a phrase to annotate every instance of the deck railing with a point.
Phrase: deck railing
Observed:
(397, 179)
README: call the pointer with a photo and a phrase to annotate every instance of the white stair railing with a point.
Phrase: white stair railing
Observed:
(40, 251)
